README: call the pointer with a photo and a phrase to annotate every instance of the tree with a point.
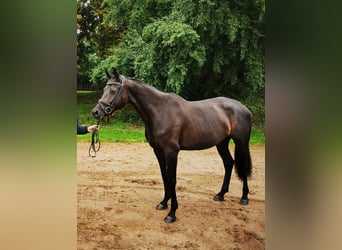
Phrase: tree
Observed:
(86, 46)
(94, 36)
(197, 49)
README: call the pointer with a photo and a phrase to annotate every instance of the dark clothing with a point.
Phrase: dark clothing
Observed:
(82, 129)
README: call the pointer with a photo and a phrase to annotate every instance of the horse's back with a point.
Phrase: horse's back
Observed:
(207, 122)
(198, 124)
(228, 112)
(230, 107)
(234, 107)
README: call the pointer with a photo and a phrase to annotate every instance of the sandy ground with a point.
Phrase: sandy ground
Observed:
(117, 192)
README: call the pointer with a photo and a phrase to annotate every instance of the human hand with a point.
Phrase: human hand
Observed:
(93, 128)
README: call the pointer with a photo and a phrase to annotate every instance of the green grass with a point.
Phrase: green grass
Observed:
(257, 137)
(125, 125)
(117, 131)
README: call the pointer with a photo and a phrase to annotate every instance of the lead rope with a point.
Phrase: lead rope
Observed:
(95, 142)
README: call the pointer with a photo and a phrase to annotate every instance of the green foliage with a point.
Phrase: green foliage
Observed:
(172, 50)
(256, 104)
(94, 36)
(232, 35)
(198, 49)
(87, 21)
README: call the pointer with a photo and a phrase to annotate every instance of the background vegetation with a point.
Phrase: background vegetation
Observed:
(197, 49)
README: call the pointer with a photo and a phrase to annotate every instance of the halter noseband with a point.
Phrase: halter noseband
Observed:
(108, 108)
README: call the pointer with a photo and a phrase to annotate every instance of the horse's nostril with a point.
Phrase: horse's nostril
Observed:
(96, 113)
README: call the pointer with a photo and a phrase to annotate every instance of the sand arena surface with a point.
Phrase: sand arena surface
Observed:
(117, 192)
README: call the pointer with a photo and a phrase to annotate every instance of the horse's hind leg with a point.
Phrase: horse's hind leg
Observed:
(245, 191)
(228, 163)
(243, 165)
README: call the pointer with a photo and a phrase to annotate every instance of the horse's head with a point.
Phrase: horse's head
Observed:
(113, 97)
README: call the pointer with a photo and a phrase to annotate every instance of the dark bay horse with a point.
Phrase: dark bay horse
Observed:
(173, 124)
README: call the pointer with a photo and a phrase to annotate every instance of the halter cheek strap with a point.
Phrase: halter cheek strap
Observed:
(107, 108)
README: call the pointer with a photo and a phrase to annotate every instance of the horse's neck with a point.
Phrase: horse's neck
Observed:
(146, 100)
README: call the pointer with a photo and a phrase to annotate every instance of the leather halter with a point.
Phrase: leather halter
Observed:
(108, 108)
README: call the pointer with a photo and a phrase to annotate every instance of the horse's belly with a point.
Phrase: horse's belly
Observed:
(198, 141)
(196, 147)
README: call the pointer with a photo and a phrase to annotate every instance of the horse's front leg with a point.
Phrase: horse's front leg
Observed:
(162, 164)
(171, 163)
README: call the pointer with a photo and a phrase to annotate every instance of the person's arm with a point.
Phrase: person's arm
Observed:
(82, 129)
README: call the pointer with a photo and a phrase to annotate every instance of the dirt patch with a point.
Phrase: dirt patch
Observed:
(117, 192)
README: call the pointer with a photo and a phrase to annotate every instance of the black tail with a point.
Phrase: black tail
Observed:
(242, 158)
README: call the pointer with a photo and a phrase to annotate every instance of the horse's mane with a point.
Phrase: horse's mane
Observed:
(138, 80)
(154, 88)
(144, 83)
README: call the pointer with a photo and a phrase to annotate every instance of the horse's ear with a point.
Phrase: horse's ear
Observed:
(108, 75)
(115, 73)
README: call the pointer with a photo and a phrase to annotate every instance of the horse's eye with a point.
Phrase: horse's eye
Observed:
(113, 91)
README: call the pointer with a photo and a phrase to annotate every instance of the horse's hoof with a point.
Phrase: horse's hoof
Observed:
(170, 219)
(244, 201)
(218, 198)
(161, 206)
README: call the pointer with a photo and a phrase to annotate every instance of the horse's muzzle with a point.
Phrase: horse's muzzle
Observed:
(97, 112)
